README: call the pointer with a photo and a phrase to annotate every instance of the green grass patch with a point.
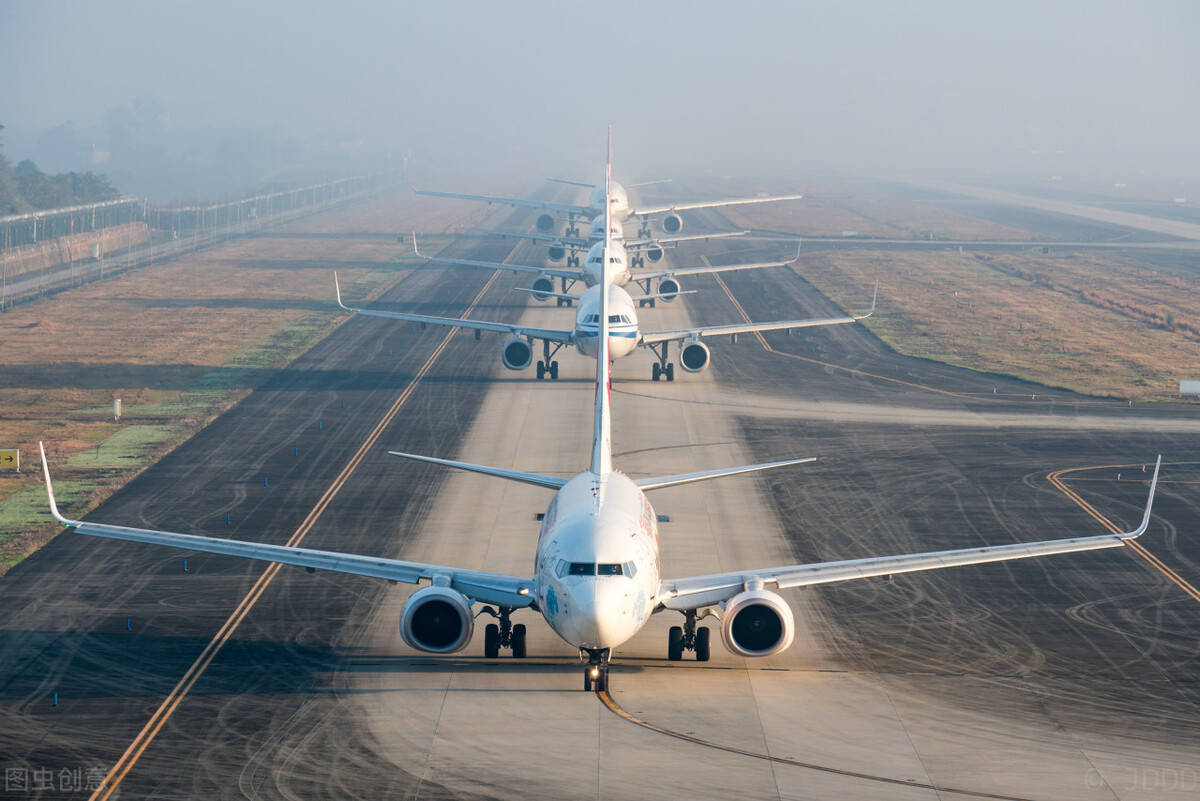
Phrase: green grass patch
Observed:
(126, 448)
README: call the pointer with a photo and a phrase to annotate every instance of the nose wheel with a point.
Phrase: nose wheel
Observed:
(595, 672)
(688, 637)
(503, 635)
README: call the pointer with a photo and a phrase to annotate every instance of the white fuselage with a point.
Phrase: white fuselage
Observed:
(619, 201)
(618, 264)
(597, 570)
(623, 333)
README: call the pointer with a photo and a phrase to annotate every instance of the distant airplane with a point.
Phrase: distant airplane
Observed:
(669, 285)
(624, 334)
(596, 577)
(618, 207)
(639, 250)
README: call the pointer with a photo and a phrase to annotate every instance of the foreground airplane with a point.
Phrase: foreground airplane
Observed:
(623, 332)
(596, 573)
(618, 207)
(618, 262)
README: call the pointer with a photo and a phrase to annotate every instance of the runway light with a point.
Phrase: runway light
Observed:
(595, 672)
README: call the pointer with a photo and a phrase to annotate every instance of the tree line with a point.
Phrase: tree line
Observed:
(25, 188)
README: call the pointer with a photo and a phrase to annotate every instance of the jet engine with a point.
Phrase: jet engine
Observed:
(545, 222)
(757, 623)
(672, 223)
(556, 252)
(437, 620)
(517, 353)
(693, 357)
(543, 283)
(669, 289)
(654, 253)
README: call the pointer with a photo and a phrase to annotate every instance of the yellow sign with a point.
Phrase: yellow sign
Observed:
(10, 459)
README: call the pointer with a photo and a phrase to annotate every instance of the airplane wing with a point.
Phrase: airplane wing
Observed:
(571, 275)
(699, 332)
(552, 334)
(479, 585)
(671, 272)
(565, 241)
(709, 204)
(673, 240)
(565, 208)
(699, 591)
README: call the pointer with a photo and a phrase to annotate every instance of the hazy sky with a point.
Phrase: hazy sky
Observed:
(733, 87)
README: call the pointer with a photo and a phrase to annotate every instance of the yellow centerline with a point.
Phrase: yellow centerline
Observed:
(128, 759)
(1055, 478)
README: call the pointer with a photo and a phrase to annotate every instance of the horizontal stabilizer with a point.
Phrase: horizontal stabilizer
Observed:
(550, 482)
(659, 482)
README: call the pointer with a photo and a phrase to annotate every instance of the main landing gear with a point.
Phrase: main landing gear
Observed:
(688, 638)
(546, 366)
(662, 368)
(595, 672)
(646, 301)
(504, 635)
(564, 301)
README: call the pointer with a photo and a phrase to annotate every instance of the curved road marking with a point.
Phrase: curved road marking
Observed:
(135, 750)
(1055, 478)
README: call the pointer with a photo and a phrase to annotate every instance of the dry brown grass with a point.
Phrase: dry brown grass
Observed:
(1100, 325)
(178, 343)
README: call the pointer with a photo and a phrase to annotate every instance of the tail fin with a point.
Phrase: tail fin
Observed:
(602, 430)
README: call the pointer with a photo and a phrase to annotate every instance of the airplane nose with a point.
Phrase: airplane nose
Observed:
(605, 619)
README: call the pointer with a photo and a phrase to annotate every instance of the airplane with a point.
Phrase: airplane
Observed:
(669, 285)
(639, 250)
(624, 334)
(597, 570)
(618, 206)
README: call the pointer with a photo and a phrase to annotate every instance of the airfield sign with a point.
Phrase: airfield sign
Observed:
(10, 459)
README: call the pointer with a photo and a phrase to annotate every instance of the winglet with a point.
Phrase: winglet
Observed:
(338, 289)
(799, 244)
(874, 297)
(1140, 530)
(50, 490)
(416, 249)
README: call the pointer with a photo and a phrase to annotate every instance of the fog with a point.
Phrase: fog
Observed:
(189, 98)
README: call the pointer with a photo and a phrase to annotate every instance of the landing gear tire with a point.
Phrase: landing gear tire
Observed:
(554, 371)
(701, 649)
(669, 372)
(491, 641)
(675, 644)
(655, 372)
(518, 641)
(541, 370)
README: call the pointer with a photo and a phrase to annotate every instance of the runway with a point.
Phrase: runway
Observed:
(1069, 677)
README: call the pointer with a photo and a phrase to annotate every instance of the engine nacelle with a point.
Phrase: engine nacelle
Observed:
(517, 353)
(437, 620)
(543, 285)
(757, 623)
(693, 356)
(672, 223)
(654, 253)
(556, 252)
(545, 223)
(669, 289)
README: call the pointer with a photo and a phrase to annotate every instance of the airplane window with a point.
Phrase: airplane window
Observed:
(609, 569)
(583, 569)
(615, 318)
(625, 318)
(593, 318)
(560, 570)
(630, 569)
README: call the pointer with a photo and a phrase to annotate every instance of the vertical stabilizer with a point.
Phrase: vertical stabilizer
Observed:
(602, 431)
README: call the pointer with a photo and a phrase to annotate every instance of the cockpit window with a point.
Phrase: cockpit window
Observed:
(560, 569)
(593, 318)
(615, 318)
(609, 569)
(583, 569)
(630, 569)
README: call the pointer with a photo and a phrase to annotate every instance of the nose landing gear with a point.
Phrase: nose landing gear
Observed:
(595, 672)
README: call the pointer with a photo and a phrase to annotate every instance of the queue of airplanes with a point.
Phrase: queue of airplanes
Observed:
(597, 576)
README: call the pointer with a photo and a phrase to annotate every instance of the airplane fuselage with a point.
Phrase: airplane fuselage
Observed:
(597, 569)
(623, 333)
